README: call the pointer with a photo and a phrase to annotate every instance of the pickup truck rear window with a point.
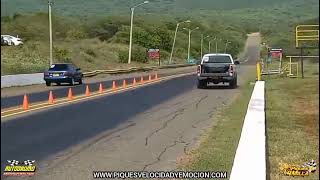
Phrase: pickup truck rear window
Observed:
(217, 59)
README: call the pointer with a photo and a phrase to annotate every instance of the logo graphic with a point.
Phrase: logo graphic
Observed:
(298, 170)
(17, 168)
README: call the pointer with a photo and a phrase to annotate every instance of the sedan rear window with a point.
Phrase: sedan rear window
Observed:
(59, 67)
(217, 59)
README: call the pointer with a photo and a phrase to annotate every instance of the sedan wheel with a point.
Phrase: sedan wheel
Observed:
(72, 82)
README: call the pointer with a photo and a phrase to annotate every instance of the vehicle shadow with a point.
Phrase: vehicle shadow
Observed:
(218, 87)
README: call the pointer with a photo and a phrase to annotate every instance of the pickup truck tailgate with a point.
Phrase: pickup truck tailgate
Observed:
(215, 68)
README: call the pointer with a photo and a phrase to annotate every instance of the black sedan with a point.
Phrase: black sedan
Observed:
(63, 73)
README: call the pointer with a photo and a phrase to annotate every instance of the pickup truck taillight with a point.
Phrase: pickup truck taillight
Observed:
(199, 69)
(232, 69)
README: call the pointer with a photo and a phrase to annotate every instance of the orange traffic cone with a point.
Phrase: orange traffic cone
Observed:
(87, 91)
(124, 83)
(141, 80)
(100, 88)
(150, 77)
(50, 101)
(114, 86)
(70, 95)
(134, 82)
(25, 104)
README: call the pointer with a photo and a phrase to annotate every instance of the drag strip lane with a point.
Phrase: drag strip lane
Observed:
(13, 97)
(41, 134)
(62, 101)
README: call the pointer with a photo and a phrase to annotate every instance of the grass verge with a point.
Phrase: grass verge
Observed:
(217, 149)
(292, 112)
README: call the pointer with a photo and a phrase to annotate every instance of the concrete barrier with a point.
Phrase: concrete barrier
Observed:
(250, 158)
(21, 80)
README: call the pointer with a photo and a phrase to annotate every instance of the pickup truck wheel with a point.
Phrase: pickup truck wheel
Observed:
(233, 83)
(48, 83)
(202, 84)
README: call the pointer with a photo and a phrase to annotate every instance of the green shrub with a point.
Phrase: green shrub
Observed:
(61, 54)
(138, 55)
(75, 34)
(66, 60)
(123, 56)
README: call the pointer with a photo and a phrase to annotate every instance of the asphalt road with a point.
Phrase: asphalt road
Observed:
(12, 97)
(143, 129)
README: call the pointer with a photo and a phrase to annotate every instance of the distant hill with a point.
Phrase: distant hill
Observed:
(115, 7)
(88, 31)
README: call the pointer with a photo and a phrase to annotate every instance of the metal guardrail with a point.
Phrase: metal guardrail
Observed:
(133, 69)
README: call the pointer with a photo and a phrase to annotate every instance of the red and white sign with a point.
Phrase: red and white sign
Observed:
(276, 53)
(154, 53)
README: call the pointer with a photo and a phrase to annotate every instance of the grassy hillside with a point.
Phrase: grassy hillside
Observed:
(111, 7)
(103, 43)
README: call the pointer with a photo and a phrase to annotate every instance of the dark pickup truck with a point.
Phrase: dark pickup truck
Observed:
(217, 68)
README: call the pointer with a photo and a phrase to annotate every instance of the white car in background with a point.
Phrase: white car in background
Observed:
(11, 40)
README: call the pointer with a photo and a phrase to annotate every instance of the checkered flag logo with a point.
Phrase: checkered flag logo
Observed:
(312, 165)
(29, 162)
(13, 162)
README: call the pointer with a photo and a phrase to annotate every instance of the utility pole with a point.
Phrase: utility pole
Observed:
(174, 39)
(201, 46)
(301, 59)
(202, 39)
(131, 29)
(225, 49)
(189, 44)
(50, 31)
(217, 45)
(210, 43)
